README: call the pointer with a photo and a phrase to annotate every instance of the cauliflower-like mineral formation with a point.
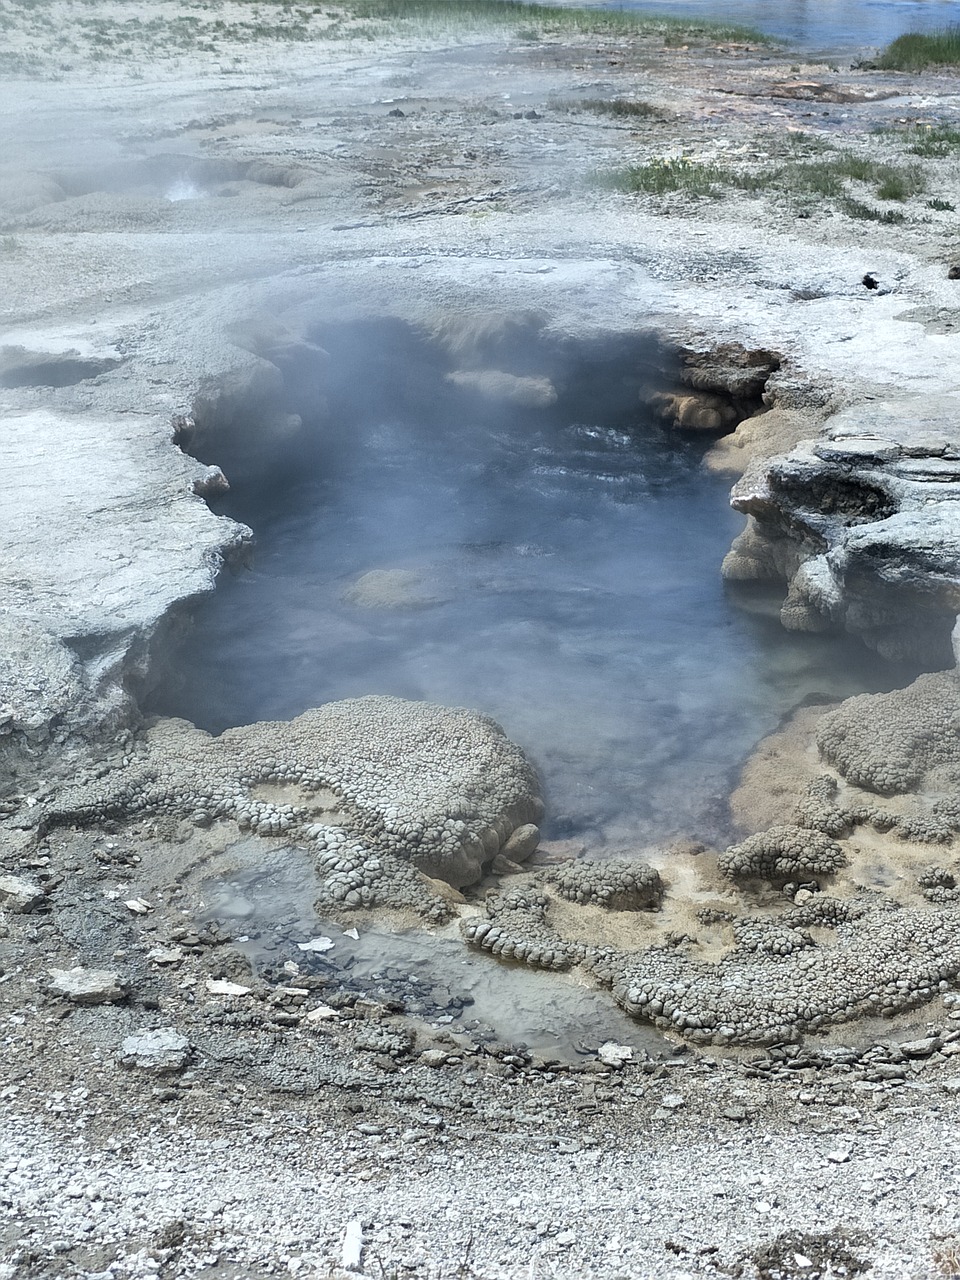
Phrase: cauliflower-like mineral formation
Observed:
(384, 788)
(616, 884)
(782, 853)
(887, 743)
(516, 928)
(778, 984)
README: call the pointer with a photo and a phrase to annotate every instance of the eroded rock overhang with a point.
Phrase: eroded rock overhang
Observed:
(862, 524)
(101, 536)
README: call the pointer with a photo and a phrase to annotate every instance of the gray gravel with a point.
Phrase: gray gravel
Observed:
(276, 1190)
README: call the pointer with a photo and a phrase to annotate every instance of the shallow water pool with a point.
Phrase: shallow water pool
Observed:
(817, 24)
(266, 903)
(561, 576)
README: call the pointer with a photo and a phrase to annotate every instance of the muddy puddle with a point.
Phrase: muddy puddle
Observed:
(266, 903)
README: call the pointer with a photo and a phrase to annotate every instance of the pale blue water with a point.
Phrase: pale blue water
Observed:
(573, 569)
(819, 24)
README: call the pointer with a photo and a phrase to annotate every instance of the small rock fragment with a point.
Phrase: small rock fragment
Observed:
(433, 1057)
(220, 987)
(921, 1048)
(139, 906)
(522, 843)
(322, 1013)
(352, 1246)
(161, 1050)
(316, 944)
(613, 1054)
(165, 955)
(87, 986)
(20, 895)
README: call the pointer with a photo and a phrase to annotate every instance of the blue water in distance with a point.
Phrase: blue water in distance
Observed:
(569, 586)
(817, 24)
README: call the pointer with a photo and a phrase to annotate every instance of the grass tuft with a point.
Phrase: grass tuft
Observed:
(863, 212)
(915, 52)
(935, 142)
(822, 180)
(622, 108)
(536, 19)
(658, 177)
(828, 178)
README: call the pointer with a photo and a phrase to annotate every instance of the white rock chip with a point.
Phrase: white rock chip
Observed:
(352, 1246)
(615, 1055)
(220, 987)
(87, 986)
(19, 895)
(322, 1013)
(159, 1050)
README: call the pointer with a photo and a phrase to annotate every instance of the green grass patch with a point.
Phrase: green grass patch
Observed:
(537, 19)
(931, 142)
(916, 52)
(828, 178)
(824, 181)
(863, 212)
(214, 28)
(659, 177)
(621, 108)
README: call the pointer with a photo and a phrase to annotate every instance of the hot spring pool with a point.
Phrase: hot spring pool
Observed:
(561, 575)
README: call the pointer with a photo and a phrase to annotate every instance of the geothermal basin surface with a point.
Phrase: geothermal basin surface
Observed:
(188, 191)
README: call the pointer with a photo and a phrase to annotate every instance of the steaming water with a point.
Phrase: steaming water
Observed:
(563, 579)
(183, 189)
(820, 24)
